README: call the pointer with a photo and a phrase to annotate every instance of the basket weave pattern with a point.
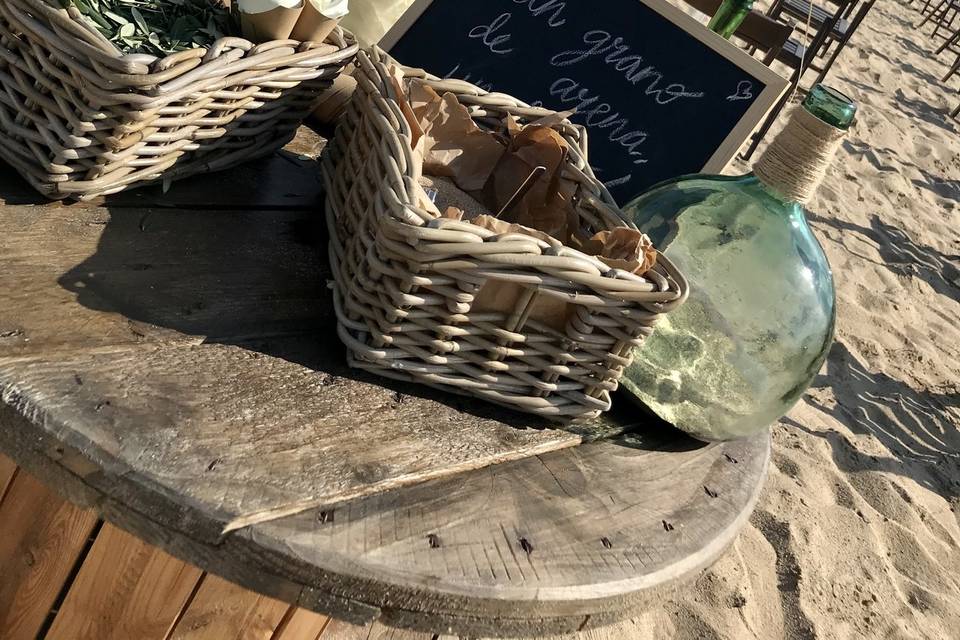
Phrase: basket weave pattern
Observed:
(406, 281)
(79, 119)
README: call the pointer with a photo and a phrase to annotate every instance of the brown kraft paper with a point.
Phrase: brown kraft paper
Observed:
(275, 24)
(454, 146)
(312, 26)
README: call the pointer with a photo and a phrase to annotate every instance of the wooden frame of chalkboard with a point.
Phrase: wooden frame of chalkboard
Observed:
(774, 85)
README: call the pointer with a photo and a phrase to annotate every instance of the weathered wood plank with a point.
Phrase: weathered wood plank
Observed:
(8, 468)
(107, 391)
(236, 432)
(558, 534)
(301, 624)
(146, 275)
(625, 630)
(235, 557)
(377, 554)
(222, 610)
(287, 179)
(41, 536)
(338, 630)
(125, 589)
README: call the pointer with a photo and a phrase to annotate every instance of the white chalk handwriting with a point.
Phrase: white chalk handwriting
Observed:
(616, 54)
(744, 91)
(488, 34)
(538, 8)
(601, 116)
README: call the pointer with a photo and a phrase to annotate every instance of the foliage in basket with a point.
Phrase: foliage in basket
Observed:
(158, 27)
(80, 119)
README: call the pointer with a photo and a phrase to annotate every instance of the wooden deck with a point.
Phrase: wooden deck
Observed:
(169, 364)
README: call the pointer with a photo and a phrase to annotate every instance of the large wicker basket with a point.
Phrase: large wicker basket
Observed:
(79, 119)
(406, 280)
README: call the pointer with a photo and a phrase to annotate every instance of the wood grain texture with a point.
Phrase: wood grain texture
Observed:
(377, 557)
(338, 630)
(131, 276)
(41, 536)
(301, 624)
(125, 589)
(176, 370)
(570, 535)
(243, 433)
(221, 610)
(624, 630)
(8, 468)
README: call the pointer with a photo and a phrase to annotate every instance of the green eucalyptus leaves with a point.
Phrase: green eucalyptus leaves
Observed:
(158, 27)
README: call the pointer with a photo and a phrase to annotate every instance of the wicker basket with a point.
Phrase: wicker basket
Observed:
(79, 119)
(405, 280)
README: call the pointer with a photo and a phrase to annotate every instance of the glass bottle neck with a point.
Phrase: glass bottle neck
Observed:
(772, 192)
(729, 16)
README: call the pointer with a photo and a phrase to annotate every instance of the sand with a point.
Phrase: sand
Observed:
(856, 534)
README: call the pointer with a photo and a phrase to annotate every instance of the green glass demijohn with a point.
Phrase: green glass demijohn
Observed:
(729, 17)
(759, 320)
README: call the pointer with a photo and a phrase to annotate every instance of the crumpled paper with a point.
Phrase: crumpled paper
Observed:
(547, 205)
(622, 248)
(453, 145)
(492, 169)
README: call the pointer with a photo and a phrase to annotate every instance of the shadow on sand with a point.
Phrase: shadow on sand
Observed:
(919, 428)
(903, 256)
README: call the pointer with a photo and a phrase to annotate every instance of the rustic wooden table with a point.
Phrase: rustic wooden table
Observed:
(165, 360)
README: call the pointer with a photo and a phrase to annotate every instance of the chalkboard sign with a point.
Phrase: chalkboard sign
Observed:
(660, 94)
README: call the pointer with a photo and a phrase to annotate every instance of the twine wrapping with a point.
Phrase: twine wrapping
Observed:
(796, 161)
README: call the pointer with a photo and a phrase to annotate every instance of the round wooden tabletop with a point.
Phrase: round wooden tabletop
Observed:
(171, 360)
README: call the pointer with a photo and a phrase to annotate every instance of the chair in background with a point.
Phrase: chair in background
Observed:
(804, 12)
(800, 58)
(758, 32)
(943, 16)
(952, 41)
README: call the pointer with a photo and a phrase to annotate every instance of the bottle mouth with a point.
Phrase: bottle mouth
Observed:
(836, 95)
(831, 106)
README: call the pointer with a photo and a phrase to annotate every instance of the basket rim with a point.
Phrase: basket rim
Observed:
(144, 69)
(375, 60)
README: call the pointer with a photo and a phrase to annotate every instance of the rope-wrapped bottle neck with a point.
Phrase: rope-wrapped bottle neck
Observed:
(798, 158)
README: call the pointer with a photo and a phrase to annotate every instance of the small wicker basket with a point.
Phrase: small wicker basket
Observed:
(406, 280)
(78, 119)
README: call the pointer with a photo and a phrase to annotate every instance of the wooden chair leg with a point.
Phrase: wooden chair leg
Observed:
(932, 13)
(952, 40)
(939, 22)
(826, 68)
(953, 69)
(852, 29)
(955, 112)
(771, 118)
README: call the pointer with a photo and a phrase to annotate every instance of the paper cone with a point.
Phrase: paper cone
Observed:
(313, 26)
(275, 24)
